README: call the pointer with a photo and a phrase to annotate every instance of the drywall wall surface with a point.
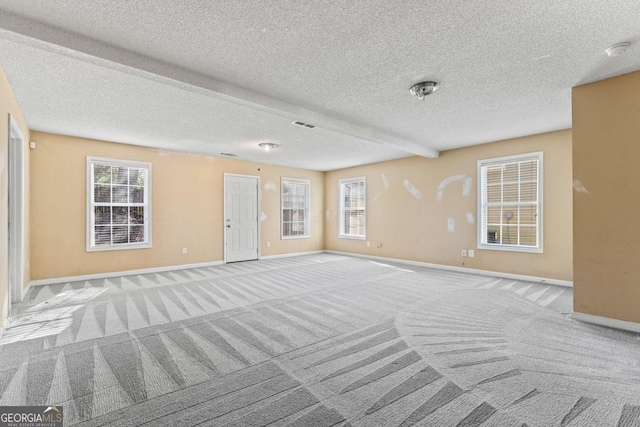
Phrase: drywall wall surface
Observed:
(187, 207)
(606, 214)
(9, 105)
(425, 209)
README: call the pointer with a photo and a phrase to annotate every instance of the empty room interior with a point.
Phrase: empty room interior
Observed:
(312, 213)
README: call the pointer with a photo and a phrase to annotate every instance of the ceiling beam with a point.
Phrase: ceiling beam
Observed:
(43, 36)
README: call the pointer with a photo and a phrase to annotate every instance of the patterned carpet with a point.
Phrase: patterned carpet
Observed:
(319, 340)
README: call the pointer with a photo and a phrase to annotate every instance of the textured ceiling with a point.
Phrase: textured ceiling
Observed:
(222, 76)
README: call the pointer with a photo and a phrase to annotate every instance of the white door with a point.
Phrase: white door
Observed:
(241, 218)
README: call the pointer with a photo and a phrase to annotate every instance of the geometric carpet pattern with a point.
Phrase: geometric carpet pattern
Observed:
(318, 340)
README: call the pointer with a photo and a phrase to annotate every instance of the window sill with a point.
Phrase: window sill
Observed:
(118, 247)
(294, 237)
(351, 237)
(509, 248)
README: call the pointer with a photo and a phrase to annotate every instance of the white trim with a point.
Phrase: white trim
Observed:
(520, 277)
(224, 213)
(293, 254)
(16, 250)
(352, 236)
(307, 230)
(26, 290)
(538, 155)
(606, 321)
(341, 182)
(53, 281)
(147, 205)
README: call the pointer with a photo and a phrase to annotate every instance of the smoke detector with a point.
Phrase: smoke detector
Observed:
(617, 49)
(423, 89)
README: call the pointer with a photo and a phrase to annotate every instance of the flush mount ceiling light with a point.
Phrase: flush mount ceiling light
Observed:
(423, 89)
(267, 145)
(617, 49)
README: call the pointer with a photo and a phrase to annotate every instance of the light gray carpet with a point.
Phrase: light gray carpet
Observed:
(320, 340)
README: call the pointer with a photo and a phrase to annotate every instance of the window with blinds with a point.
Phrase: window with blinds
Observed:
(510, 205)
(118, 207)
(295, 207)
(353, 202)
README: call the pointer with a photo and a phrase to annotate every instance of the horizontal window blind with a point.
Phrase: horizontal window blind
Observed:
(510, 196)
(295, 207)
(353, 208)
(118, 203)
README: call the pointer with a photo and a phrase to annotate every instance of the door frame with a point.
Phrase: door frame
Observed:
(16, 187)
(224, 213)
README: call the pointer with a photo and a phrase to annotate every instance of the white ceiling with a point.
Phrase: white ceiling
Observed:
(222, 76)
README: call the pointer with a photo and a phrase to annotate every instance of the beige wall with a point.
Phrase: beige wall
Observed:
(9, 105)
(606, 217)
(187, 193)
(187, 207)
(416, 229)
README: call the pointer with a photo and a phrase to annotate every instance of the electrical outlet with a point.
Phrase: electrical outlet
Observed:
(268, 244)
(378, 244)
(368, 244)
(463, 253)
(472, 253)
(184, 251)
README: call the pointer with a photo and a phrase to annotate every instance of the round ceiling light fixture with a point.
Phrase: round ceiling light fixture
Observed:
(423, 89)
(617, 49)
(267, 145)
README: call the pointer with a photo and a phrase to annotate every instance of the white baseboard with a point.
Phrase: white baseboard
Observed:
(53, 281)
(520, 277)
(120, 273)
(292, 255)
(212, 263)
(606, 321)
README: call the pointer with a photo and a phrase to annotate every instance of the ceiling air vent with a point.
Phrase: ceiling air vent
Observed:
(303, 124)
(228, 154)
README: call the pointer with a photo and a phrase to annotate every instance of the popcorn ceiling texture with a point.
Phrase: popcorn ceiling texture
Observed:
(506, 69)
(68, 96)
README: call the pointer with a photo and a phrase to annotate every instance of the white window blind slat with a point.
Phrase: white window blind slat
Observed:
(353, 208)
(509, 205)
(295, 207)
(119, 209)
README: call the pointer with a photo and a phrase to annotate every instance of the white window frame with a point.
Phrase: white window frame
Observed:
(341, 187)
(481, 203)
(307, 208)
(91, 161)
